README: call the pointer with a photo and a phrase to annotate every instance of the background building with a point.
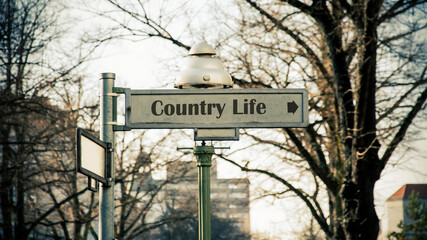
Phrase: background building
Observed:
(229, 197)
(395, 207)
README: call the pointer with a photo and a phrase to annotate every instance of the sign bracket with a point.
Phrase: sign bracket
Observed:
(116, 128)
(92, 184)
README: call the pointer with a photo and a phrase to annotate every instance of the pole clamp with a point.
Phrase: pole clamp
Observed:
(121, 128)
(111, 94)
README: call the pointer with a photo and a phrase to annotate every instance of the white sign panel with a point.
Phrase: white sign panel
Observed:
(93, 156)
(213, 108)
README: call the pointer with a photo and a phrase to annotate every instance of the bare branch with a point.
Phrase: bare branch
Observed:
(398, 137)
(317, 213)
(397, 104)
(398, 8)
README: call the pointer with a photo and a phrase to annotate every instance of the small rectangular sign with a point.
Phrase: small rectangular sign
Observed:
(92, 155)
(216, 134)
(216, 108)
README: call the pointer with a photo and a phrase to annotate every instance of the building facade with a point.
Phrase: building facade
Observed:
(229, 197)
(395, 207)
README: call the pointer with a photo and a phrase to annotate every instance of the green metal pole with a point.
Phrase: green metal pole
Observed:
(106, 194)
(204, 162)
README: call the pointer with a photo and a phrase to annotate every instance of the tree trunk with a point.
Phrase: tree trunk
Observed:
(364, 222)
(6, 193)
(20, 231)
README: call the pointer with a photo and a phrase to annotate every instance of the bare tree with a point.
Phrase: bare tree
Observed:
(140, 197)
(38, 117)
(363, 63)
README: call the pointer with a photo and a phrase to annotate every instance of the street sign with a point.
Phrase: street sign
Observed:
(92, 156)
(216, 134)
(216, 108)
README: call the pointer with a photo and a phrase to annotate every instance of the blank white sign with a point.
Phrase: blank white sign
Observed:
(220, 132)
(93, 156)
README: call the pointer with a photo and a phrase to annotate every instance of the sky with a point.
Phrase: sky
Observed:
(140, 65)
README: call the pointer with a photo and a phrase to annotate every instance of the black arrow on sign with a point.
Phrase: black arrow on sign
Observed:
(292, 107)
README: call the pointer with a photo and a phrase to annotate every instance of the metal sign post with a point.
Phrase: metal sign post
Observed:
(106, 195)
(204, 162)
(95, 157)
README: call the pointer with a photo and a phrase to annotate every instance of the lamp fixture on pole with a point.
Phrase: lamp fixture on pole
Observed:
(203, 70)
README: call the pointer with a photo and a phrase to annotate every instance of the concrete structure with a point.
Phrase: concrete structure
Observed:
(229, 197)
(395, 205)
